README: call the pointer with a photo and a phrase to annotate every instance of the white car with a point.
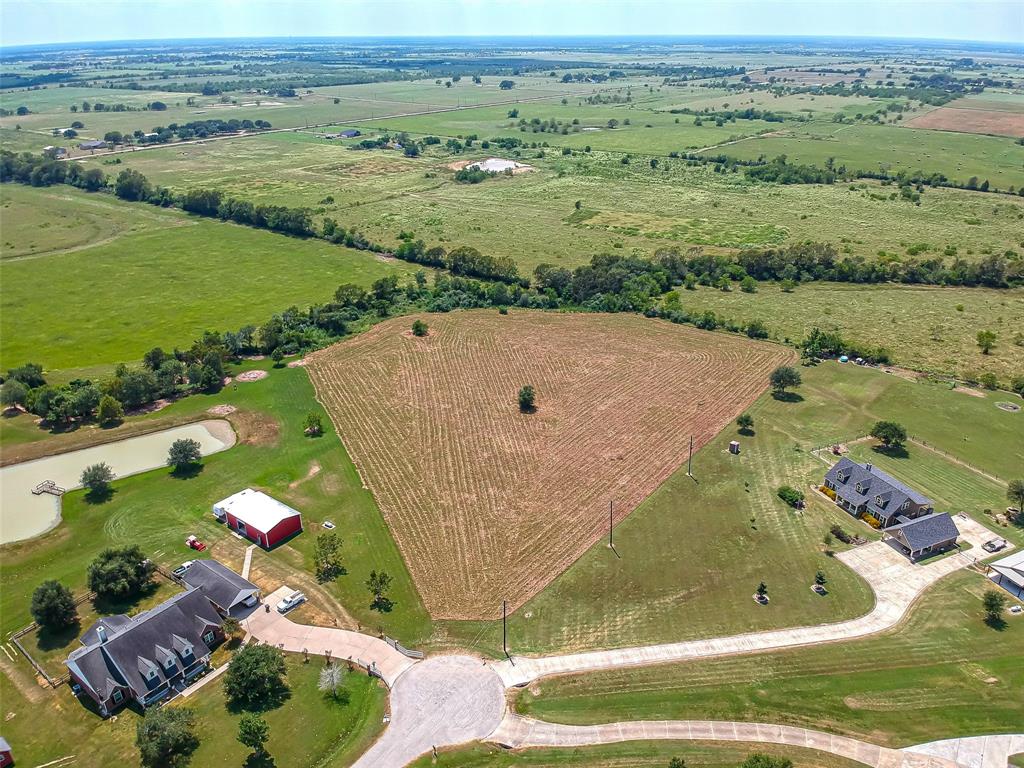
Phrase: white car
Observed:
(294, 599)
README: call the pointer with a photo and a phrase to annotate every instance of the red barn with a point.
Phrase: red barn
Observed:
(258, 517)
(6, 758)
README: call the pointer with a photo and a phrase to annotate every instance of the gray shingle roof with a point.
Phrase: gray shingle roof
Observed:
(144, 643)
(222, 586)
(874, 484)
(926, 531)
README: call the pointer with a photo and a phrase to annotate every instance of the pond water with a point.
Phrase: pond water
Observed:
(24, 515)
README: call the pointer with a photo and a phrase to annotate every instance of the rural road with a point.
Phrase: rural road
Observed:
(452, 699)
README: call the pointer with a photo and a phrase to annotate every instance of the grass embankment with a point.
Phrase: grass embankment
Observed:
(689, 558)
(634, 754)
(943, 673)
(307, 729)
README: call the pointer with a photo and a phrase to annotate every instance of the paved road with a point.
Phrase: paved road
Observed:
(441, 701)
(516, 731)
(975, 751)
(273, 628)
(897, 584)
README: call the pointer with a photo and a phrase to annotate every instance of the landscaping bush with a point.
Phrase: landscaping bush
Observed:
(790, 495)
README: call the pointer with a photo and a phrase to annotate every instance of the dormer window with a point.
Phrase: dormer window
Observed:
(878, 500)
(151, 674)
(859, 488)
(186, 651)
(906, 504)
(169, 662)
(840, 477)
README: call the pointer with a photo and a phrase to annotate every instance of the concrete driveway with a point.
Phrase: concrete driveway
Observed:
(276, 629)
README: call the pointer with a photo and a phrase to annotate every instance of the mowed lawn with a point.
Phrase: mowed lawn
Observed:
(307, 729)
(925, 328)
(943, 673)
(112, 302)
(631, 754)
(689, 558)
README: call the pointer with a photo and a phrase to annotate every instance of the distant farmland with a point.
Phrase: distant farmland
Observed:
(488, 503)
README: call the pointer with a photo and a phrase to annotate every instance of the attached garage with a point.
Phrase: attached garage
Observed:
(258, 517)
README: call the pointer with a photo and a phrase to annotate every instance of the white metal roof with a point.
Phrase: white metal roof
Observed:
(255, 508)
(495, 165)
(1012, 567)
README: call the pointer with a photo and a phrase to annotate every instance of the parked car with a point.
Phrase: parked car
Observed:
(994, 545)
(180, 570)
(294, 599)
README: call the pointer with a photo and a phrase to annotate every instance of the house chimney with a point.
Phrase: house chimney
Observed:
(867, 467)
(101, 633)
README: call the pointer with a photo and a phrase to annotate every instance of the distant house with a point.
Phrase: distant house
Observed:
(924, 535)
(92, 145)
(54, 152)
(258, 517)
(350, 133)
(6, 756)
(222, 586)
(1009, 573)
(144, 657)
(868, 492)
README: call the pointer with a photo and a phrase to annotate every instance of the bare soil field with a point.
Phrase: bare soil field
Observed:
(986, 121)
(488, 503)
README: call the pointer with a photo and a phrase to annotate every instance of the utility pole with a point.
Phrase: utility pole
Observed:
(504, 631)
(611, 543)
(689, 460)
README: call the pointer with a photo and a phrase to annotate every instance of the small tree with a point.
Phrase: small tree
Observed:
(313, 425)
(184, 453)
(378, 584)
(762, 591)
(760, 760)
(677, 762)
(332, 678)
(419, 328)
(255, 676)
(819, 578)
(748, 285)
(166, 737)
(13, 392)
(784, 377)
(277, 356)
(326, 555)
(96, 479)
(120, 572)
(827, 541)
(745, 422)
(53, 606)
(527, 399)
(253, 732)
(231, 627)
(109, 411)
(890, 433)
(986, 340)
(1015, 493)
(994, 604)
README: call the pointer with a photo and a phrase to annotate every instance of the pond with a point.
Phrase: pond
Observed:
(24, 514)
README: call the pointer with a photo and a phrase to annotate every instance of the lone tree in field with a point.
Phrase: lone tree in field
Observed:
(379, 583)
(255, 677)
(1015, 493)
(53, 606)
(527, 399)
(986, 340)
(96, 479)
(327, 556)
(762, 591)
(120, 572)
(994, 604)
(891, 434)
(782, 378)
(313, 426)
(419, 328)
(746, 423)
(253, 732)
(166, 737)
(184, 453)
(819, 578)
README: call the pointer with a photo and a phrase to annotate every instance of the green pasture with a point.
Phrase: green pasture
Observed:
(868, 147)
(161, 286)
(921, 325)
(942, 673)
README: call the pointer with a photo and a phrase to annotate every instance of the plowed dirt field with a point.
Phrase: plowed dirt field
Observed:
(488, 503)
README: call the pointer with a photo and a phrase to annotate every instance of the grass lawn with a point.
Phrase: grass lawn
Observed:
(162, 287)
(920, 325)
(943, 673)
(634, 754)
(306, 730)
(157, 511)
(689, 557)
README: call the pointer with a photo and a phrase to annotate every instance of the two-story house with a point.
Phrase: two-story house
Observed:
(868, 492)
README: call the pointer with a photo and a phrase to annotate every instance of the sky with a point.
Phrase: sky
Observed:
(59, 21)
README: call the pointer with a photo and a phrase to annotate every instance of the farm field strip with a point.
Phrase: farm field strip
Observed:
(490, 504)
